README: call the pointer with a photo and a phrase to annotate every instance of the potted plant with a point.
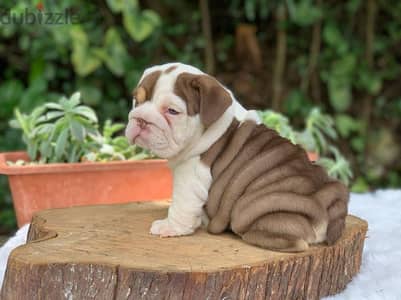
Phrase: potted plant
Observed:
(70, 162)
(314, 138)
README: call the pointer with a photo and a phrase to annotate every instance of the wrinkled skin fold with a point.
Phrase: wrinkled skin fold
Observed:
(267, 191)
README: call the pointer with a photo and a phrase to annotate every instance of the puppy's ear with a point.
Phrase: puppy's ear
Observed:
(144, 91)
(204, 95)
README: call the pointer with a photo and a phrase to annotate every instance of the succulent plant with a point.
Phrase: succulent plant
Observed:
(68, 131)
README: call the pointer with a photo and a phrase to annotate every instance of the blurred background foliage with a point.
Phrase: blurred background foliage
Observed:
(291, 56)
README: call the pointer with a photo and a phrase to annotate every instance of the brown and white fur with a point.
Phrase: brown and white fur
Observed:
(225, 163)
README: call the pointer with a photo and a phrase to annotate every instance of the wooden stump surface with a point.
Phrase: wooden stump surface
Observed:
(106, 252)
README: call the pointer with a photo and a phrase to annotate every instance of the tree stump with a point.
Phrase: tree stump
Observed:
(106, 252)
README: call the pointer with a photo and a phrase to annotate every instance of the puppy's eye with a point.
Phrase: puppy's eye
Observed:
(172, 111)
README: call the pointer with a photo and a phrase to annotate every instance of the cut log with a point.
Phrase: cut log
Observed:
(106, 252)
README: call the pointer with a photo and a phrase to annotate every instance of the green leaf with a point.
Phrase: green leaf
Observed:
(74, 154)
(61, 143)
(369, 81)
(90, 95)
(278, 122)
(116, 5)
(304, 13)
(14, 124)
(116, 127)
(321, 140)
(346, 125)
(109, 129)
(60, 37)
(250, 9)
(89, 125)
(139, 156)
(37, 113)
(77, 130)
(115, 55)
(84, 59)
(121, 142)
(45, 150)
(334, 38)
(339, 93)
(360, 186)
(86, 112)
(52, 105)
(23, 121)
(32, 150)
(139, 25)
(358, 143)
(75, 99)
(59, 125)
(43, 129)
(50, 116)
(338, 167)
(317, 121)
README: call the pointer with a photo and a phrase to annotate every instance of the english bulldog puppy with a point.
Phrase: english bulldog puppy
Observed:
(229, 168)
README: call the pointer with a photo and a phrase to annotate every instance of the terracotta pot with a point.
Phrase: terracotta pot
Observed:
(38, 187)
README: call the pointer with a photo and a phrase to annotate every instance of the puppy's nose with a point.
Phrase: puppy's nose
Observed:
(141, 123)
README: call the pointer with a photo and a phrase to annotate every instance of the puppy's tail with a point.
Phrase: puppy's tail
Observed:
(334, 197)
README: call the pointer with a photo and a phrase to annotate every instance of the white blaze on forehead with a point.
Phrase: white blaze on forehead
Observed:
(179, 68)
(165, 84)
(166, 81)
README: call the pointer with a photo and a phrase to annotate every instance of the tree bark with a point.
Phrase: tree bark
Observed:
(312, 76)
(371, 10)
(207, 33)
(247, 48)
(281, 53)
(106, 252)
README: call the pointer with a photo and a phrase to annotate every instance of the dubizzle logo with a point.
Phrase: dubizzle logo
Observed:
(38, 16)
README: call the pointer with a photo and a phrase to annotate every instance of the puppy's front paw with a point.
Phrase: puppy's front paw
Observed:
(164, 228)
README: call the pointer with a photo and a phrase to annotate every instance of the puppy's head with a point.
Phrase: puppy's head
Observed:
(173, 105)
